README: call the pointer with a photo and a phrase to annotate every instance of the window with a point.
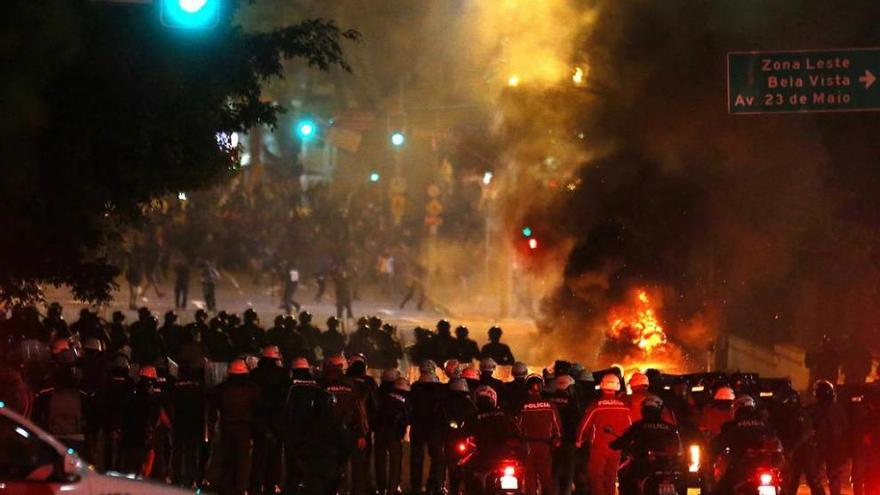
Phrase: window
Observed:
(23, 456)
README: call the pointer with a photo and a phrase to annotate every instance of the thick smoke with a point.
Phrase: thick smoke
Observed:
(633, 174)
(758, 225)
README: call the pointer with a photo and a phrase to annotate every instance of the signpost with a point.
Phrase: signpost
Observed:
(803, 81)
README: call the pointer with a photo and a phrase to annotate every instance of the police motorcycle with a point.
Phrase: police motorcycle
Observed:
(759, 471)
(506, 476)
(495, 466)
(665, 473)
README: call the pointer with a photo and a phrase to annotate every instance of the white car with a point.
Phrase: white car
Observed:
(33, 462)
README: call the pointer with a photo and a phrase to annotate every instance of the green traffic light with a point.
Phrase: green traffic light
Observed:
(305, 129)
(397, 139)
(190, 14)
(527, 232)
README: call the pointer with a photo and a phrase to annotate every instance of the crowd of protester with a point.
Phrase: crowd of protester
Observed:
(222, 403)
(252, 229)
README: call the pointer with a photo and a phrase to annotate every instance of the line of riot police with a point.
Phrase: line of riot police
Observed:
(303, 414)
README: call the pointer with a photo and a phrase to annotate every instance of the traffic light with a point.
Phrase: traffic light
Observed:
(374, 177)
(527, 231)
(398, 139)
(306, 129)
(190, 14)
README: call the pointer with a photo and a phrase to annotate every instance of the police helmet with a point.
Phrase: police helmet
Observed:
(390, 375)
(488, 365)
(487, 393)
(744, 402)
(401, 385)
(458, 385)
(823, 390)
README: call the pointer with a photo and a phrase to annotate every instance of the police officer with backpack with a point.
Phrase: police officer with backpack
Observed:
(63, 409)
(392, 419)
(235, 402)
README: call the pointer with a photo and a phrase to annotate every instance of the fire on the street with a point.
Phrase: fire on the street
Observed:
(635, 335)
(637, 323)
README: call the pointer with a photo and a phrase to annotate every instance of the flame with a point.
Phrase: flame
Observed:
(637, 323)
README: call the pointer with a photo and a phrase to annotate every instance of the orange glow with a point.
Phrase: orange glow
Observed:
(637, 323)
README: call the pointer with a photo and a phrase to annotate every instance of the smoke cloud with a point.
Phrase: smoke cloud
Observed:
(610, 139)
(753, 225)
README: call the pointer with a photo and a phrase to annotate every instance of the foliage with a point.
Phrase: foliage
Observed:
(105, 109)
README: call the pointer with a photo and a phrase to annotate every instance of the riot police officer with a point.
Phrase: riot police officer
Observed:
(119, 385)
(516, 390)
(318, 444)
(649, 434)
(604, 420)
(392, 419)
(302, 395)
(460, 409)
(428, 397)
(272, 379)
(829, 442)
(541, 428)
(119, 336)
(565, 399)
(348, 410)
(249, 337)
(188, 407)
(794, 427)
(487, 377)
(171, 331)
(444, 344)
(310, 333)
(146, 343)
(235, 402)
(365, 392)
(492, 431)
(747, 430)
(332, 342)
(142, 416)
(63, 409)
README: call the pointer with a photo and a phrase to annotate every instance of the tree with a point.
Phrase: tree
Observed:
(106, 109)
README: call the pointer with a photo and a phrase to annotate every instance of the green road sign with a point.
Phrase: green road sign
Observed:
(803, 81)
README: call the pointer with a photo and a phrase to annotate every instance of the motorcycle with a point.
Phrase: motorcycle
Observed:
(504, 477)
(664, 475)
(758, 471)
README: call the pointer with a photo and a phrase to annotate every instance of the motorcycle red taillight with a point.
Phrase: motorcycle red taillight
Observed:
(766, 478)
(508, 479)
(461, 447)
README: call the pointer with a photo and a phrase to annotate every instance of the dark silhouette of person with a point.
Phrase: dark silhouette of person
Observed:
(824, 361)
(496, 350)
